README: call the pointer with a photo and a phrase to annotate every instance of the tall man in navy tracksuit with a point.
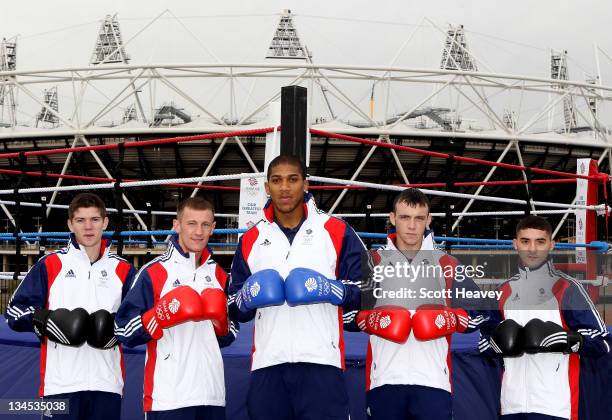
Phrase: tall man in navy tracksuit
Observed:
(297, 272)
(69, 299)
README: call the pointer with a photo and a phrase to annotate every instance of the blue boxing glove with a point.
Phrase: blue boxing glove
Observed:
(264, 288)
(304, 286)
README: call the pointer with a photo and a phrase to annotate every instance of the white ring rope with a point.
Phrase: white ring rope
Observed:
(109, 185)
(109, 209)
(455, 195)
(474, 213)
(337, 181)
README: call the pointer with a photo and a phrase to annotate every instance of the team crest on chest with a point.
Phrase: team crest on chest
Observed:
(308, 237)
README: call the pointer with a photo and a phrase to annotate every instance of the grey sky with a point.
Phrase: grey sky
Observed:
(61, 33)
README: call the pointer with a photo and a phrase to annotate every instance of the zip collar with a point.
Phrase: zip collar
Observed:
(189, 256)
(426, 245)
(75, 247)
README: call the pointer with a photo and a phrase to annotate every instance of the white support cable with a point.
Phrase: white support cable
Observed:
(460, 214)
(311, 178)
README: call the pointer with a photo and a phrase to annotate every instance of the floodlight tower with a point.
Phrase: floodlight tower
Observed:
(45, 116)
(109, 48)
(456, 56)
(8, 103)
(559, 71)
(286, 42)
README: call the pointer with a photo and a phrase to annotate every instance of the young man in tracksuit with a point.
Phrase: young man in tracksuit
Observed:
(297, 273)
(69, 299)
(544, 323)
(408, 365)
(178, 307)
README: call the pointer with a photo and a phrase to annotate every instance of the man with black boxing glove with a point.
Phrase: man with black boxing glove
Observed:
(68, 299)
(545, 322)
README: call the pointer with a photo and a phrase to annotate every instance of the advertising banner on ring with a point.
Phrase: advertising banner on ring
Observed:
(582, 168)
(252, 200)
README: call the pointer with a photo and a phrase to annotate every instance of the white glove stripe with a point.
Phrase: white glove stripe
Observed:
(554, 338)
(551, 343)
(152, 325)
(59, 335)
(495, 347)
(110, 343)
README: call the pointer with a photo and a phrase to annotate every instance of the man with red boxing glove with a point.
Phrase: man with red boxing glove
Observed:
(178, 306)
(408, 363)
(544, 323)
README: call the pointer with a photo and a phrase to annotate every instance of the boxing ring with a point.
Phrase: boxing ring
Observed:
(476, 380)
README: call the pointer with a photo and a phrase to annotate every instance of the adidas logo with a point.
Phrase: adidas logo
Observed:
(176, 283)
(266, 243)
(70, 273)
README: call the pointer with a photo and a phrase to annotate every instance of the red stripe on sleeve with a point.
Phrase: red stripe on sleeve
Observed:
(248, 240)
(221, 276)
(122, 270)
(336, 229)
(53, 265)
(158, 275)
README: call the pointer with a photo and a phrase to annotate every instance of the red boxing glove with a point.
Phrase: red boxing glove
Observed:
(214, 308)
(435, 321)
(175, 307)
(389, 322)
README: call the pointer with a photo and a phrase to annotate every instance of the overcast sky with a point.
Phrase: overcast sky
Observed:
(572, 25)
(508, 37)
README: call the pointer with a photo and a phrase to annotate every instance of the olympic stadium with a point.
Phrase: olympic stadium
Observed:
(488, 141)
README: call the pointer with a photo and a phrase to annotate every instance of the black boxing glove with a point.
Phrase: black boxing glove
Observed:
(101, 330)
(548, 337)
(507, 339)
(61, 325)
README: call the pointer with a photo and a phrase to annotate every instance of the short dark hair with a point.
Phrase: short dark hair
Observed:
(534, 222)
(195, 203)
(287, 160)
(413, 197)
(84, 200)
